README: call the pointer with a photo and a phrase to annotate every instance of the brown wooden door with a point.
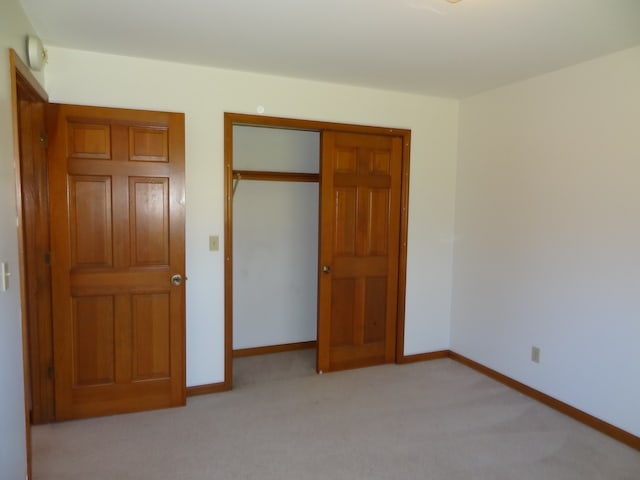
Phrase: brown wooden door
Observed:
(36, 248)
(359, 249)
(116, 180)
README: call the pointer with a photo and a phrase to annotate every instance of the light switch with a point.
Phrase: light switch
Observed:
(535, 354)
(5, 274)
(214, 243)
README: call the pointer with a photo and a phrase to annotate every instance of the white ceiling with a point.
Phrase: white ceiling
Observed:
(422, 46)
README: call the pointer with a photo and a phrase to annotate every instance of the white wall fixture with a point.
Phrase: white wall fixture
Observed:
(36, 53)
(535, 354)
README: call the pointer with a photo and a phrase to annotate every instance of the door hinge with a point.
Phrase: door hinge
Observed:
(47, 258)
(50, 372)
(44, 139)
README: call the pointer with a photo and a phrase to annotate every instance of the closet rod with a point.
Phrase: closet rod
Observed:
(276, 176)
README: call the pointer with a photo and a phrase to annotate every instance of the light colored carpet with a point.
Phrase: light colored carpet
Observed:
(436, 420)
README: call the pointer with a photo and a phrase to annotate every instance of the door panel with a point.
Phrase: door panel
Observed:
(360, 231)
(117, 209)
(93, 340)
(151, 336)
(90, 221)
(149, 217)
(89, 141)
(148, 144)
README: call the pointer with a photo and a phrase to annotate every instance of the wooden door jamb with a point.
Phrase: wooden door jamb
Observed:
(23, 83)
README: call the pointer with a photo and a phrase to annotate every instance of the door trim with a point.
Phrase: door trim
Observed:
(231, 119)
(23, 82)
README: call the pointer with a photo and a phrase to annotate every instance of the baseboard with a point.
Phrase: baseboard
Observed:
(423, 357)
(207, 389)
(286, 347)
(582, 417)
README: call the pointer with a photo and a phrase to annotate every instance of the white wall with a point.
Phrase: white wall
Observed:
(14, 27)
(204, 94)
(548, 234)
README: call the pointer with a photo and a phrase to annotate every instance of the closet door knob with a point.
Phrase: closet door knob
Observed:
(326, 269)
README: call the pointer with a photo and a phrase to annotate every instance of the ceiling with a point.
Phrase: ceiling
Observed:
(422, 46)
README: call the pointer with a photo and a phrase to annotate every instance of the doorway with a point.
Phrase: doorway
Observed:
(381, 169)
(275, 238)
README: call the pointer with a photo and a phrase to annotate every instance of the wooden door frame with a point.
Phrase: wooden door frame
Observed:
(232, 119)
(23, 83)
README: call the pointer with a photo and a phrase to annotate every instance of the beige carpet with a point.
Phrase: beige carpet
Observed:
(436, 420)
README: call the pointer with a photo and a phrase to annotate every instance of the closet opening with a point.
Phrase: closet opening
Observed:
(315, 242)
(275, 251)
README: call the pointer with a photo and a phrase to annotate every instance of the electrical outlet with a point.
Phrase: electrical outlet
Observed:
(535, 354)
(214, 243)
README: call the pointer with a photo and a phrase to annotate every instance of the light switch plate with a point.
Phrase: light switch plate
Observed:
(214, 243)
(5, 274)
(535, 354)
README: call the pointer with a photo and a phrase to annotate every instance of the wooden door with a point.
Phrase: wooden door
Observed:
(359, 249)
(116, 181)
(36, 248)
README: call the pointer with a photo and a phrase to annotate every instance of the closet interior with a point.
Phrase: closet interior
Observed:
(275, 237)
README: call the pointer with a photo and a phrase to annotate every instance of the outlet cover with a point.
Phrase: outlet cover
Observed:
(535, 354)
